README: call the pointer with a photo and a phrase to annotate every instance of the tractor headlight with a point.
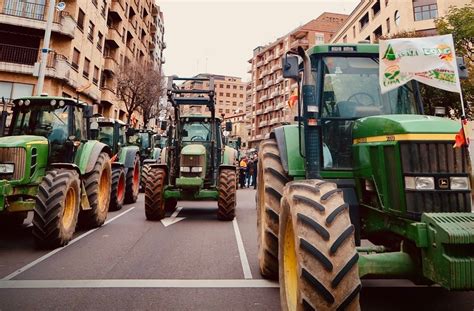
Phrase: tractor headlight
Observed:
(7, 168)
(419, 183)
(62, 103)
(27, 102)
(196, 169)
(52, 102)
(20, 102)
(459, 183)
(185, 169)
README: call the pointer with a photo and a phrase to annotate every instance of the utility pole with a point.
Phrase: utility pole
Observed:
(45, 49)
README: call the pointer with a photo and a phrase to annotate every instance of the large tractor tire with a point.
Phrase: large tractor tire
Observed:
(145, 172)
(132, 180)
(117, 191)
(98, 186)
(318, 258)
(154, 194)
(57, 208)
(271, 181)
(227, 195)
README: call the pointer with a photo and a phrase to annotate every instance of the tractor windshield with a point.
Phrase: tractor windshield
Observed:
(196, 132)
(351, 90)
(106, 134)
(42, 120)
(144, 140)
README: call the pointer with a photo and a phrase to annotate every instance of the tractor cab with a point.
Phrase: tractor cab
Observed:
(61, 121)
(111, 132)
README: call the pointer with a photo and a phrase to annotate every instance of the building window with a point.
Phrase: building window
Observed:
(388, 25)
(85, 70)
(424, 12)
(235, 87)
(396, 17)
(90, 35)
(103, 8)
(319, 38)
(75, 59)
(80, 19)
(100, 37)
(353, 32)
(95, 77)
(364, 21)
(377, 32)
(386, 2)
(376, 8)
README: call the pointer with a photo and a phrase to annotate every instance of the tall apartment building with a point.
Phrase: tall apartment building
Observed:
(374, 18)
(269, 90)
(90, 40)
(229, 94)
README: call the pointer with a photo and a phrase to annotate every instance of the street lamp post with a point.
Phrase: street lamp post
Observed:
(45, 49)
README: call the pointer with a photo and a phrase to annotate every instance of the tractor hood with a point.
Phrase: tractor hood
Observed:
(388, 125)
(193, 149)
(22, 141)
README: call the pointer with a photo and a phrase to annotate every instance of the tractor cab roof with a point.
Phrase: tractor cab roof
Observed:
(51, 100)
(198, 117)
(340, 48)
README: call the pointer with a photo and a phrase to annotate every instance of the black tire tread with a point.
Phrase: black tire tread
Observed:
(115, 203)
(154, 194)
(131, 196)
(227, 195)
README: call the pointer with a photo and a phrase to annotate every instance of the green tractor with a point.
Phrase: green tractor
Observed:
(149, 152)
(195, 164)
(360, 165)
(126, 160)
(48, 166)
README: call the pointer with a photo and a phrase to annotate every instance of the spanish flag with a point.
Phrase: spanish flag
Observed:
(293, 98)
(461, 137)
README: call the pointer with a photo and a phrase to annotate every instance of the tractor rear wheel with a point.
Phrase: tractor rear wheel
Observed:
(98, 186)
(57, 208)
(132, 182)
(318, 258)
(145, 172)
(271, 181)
(227, 195)
(154, 194)
(117, 191)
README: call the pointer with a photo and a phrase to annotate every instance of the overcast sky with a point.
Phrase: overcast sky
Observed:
(219, 36)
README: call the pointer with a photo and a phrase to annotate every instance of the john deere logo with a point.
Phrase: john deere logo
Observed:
(443, 183)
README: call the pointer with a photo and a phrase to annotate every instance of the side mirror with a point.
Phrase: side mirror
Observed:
(163, 125)
(228, 126)
(89, 112)
(290, 67)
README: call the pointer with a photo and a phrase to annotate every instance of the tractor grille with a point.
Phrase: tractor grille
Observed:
(192, 160)
(440, 160)
(17, 156)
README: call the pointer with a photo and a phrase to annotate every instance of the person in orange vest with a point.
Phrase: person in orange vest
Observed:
(242, 171)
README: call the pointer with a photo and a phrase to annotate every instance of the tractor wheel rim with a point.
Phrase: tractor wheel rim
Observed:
(136, 177)
(104, 188)
(290, 270)
(121, 188)
(69, 208)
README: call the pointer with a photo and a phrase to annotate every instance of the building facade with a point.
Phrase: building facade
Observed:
(374, 18)
(230, 94)
(90, 41)
(269, 92)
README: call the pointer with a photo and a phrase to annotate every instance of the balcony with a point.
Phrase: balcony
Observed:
(301, 42)
(274, 94)
(116, 10)
(17, 59)
(279, 79)
(152, 46)
(260, 63)
(34, 15)
(113, 37)
(269, 83)
(58, 67)
(268, 109)
(280, 105)
(259, 87)
(262, 123)
(259, 111)
(263, 98)
(107, 94)
(111, 65)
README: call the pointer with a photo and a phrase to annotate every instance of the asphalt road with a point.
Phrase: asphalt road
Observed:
(189, 262)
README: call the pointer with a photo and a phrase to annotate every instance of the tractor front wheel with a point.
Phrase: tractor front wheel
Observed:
(227, 195)
(98, 186)
(117, 192)
(133, 182)
(57, 208)
(145, 172)
(154, 194)
(318, 259)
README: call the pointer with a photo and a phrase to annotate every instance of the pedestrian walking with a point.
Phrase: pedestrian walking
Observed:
(242, 172)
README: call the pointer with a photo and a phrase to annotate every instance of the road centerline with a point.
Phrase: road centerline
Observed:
(57, 250)
(242, 254)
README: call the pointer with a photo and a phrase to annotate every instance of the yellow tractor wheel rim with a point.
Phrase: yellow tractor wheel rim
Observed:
(104, 189)
(290, 266)
(69, 208)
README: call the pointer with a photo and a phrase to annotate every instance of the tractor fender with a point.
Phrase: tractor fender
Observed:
(68, 166)
(150, 161)
(127, 155)
(227, 167)
(88, 153)
(163, 166)
(229, 156)
(287, 139)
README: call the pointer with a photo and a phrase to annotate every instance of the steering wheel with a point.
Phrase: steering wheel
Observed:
(197, 138)
(363, 94)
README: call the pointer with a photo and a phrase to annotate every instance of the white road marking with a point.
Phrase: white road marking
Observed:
(242, 253)
(57, 250)
(168, 221)
(141, 283)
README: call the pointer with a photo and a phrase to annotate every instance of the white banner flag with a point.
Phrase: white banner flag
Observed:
(430, 60)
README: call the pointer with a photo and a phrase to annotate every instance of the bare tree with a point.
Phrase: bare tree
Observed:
(155, 90)
(139, 87)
